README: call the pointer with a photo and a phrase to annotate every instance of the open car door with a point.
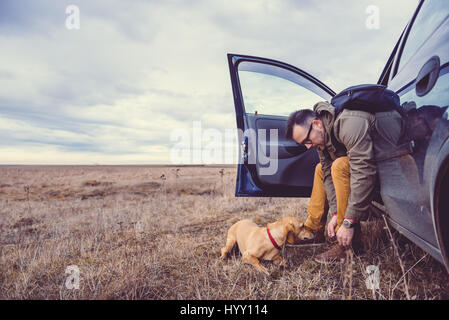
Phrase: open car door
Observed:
(265, 93)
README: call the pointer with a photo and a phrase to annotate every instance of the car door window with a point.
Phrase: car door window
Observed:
(439, 96)
(430, 16)
(276, 91)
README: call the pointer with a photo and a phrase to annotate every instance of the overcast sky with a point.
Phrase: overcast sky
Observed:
(116, 90)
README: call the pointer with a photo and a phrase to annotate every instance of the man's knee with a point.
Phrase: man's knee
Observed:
(340, 166)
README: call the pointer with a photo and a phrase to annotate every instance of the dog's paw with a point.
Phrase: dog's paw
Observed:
(263, 269)
(223, 254)
(279, 262)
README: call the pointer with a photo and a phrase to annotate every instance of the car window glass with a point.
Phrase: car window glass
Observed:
(423, 114)
(439, 96)
(429, 17)
(272, 90)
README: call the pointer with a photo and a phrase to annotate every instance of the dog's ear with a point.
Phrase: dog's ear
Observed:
(289, 232)
(289, 227)
(291, 238)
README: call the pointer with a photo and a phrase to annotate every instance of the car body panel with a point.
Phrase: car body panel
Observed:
(412, 208)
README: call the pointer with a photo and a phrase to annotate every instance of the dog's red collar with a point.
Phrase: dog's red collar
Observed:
(272, 240)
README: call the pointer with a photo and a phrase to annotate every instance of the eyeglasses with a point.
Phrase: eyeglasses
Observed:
(306, 140)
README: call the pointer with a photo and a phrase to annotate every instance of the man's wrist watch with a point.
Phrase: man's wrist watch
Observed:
(347, 223)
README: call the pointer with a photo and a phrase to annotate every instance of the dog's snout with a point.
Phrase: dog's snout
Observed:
(308, 236)
(305, 235)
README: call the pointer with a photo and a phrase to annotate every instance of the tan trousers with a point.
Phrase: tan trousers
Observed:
(317, 210)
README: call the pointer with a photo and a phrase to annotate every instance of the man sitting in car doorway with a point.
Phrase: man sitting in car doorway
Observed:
(348, 146)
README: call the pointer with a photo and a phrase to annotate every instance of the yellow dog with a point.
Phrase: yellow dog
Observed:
(264, 243)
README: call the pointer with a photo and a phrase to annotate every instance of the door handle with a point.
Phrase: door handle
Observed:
(427, 76)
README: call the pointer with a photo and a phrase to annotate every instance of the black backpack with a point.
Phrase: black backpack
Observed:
(371, 98)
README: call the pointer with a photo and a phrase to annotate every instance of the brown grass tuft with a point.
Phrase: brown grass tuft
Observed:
(136, 235)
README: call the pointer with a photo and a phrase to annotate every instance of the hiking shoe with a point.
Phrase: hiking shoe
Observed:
(338, 252)
(335, 254)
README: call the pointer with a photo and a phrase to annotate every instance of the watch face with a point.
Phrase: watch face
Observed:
(347, 224)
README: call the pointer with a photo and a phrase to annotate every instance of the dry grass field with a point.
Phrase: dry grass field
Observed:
(142, 232)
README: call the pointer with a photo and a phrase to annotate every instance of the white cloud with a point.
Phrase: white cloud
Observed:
(135, 71)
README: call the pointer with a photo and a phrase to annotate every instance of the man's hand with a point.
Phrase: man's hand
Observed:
(344, 236)
(331, 226)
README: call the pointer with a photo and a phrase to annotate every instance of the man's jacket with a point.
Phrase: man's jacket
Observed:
(365, 138)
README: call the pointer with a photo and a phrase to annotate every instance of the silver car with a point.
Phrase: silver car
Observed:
(415, 198)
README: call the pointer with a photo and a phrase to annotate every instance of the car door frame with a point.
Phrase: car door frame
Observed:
(247, 184)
